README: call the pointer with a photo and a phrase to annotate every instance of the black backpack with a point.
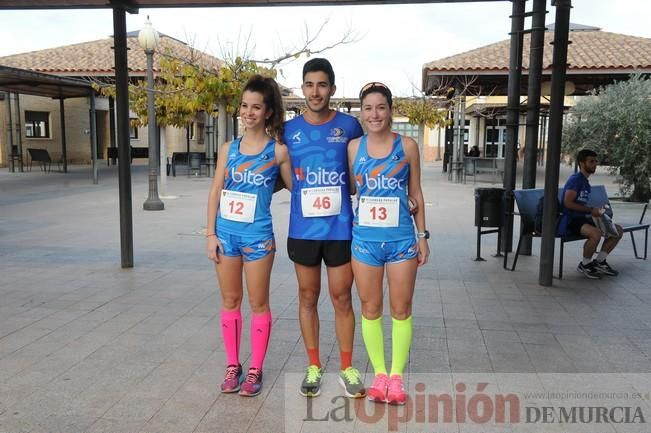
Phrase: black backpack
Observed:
(561, 220)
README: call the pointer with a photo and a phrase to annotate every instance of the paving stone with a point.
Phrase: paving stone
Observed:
(105, 349)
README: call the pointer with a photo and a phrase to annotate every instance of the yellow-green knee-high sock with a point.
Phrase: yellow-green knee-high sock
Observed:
(400, 344)
(374, 342)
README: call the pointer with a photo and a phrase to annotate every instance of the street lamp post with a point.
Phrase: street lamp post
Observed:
(148, 38)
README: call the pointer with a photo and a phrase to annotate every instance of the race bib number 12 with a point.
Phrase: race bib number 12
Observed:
(319, 202)
(238, 206)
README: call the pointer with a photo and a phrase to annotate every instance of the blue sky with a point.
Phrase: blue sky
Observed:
(394, 40)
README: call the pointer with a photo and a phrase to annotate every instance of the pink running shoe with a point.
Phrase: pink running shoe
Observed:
(378, 391)
(252, 385)
(396, 393)
(232, 379)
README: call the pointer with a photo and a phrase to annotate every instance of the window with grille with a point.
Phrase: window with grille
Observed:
(406, 129)
(37, 124)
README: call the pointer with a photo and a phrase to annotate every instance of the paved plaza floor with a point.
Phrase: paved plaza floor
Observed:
(86, 346)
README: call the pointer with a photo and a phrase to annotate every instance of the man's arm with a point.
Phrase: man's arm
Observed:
(353, 147)
(570, 203)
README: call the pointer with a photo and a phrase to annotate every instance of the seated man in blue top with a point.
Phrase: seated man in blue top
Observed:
(575, 198)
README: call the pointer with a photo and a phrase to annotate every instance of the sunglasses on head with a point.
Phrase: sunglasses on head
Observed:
(373, 85)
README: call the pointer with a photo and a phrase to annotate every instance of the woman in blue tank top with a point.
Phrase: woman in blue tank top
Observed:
(240, 232)
(385, 171)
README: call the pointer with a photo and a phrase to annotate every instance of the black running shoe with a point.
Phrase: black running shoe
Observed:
(589, 270)
(604, 268)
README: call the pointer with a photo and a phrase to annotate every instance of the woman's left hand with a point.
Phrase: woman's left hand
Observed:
(413, 205)
(423, 251)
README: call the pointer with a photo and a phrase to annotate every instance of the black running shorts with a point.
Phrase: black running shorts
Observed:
(575, 224)
(310, 252)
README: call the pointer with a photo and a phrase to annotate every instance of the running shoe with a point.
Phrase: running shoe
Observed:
(252, 385)
(311, 386)
(605, 269)
(232, 379)
(378, 391)
(589, 270)
(396, 393)
(351, 381)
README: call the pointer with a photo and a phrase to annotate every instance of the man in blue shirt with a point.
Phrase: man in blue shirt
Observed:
(575, 199)
(320, 222)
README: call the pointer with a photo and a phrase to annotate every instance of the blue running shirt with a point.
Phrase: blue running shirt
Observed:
(321, 206)
(383, 206)
(248, 186)
(578, 183)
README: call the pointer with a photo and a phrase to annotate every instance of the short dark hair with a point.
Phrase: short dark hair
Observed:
(319, 65)
(585, 154)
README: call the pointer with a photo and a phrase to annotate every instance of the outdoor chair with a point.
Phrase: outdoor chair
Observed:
(470, 168)
(527, 201)
(111, 155)
(15, 157)
(178, 158)
(195, 163)
(42, 156)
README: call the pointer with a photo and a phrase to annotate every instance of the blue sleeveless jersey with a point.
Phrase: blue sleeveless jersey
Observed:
(320, 163)
(250, 176)
(382, 195)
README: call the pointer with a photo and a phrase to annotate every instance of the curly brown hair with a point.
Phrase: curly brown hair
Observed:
(273, 100)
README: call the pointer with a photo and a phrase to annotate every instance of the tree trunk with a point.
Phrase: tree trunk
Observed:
(641, 191)
(421, 144)
(222, 124)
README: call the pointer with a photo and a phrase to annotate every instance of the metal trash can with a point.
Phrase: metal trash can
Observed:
(489, 207)
(489, 212)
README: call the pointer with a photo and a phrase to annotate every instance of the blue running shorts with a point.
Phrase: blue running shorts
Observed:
(249, 249)
(380, 253)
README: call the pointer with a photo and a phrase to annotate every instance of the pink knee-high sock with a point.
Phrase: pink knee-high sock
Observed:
(232, 333)
(260, 332)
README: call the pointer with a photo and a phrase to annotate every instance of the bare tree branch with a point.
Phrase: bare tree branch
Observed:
(289, 55)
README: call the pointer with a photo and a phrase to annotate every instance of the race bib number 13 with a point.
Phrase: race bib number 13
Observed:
(319, 202)
(238, 206)
(379, 211)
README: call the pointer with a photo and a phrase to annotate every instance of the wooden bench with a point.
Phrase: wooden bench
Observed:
(472, 166)
(527, 201)
(42, 156)
(136, 152)
(194, 161)
(139, 152)
(178, 158)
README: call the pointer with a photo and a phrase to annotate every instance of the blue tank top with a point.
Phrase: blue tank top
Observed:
(321, 207)
(382, 213)
(248, 186)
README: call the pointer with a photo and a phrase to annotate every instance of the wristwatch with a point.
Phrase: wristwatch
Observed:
(424, 234)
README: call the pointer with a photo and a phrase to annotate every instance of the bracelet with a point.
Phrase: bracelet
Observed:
(211, 234)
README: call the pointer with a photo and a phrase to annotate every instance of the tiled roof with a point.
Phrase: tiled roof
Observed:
(97, 57)
(81, 4)
(589, 50)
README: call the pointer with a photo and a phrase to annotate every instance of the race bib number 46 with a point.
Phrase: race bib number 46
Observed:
(319, 202)
(379, 211)
(238, 206)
